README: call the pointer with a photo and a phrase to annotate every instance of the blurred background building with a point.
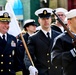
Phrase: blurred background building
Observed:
(24, 9)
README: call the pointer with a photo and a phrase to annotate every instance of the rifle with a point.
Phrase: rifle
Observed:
(68, 31)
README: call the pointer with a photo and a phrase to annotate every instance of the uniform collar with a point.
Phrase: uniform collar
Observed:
(2, 35)
(45, 32)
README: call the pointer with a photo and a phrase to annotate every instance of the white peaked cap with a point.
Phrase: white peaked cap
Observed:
(5, 16)
(4, 11)
(61, 10)
(28, 21)
(40, 11)
(71, 14)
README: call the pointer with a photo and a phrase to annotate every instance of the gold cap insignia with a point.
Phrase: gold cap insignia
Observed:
(5, 14)
(44, 12)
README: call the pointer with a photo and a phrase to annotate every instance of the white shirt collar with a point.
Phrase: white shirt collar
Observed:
(62, 29)
(45, 32)
(2, 35)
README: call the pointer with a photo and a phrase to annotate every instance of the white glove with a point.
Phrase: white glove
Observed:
(33, 70)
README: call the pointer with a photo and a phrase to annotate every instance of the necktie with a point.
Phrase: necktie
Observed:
(48, 34)
(4, 37)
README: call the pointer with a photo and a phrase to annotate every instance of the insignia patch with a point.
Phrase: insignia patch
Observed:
(13, 44)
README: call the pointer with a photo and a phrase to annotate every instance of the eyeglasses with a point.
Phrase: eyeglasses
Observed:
(61, 15)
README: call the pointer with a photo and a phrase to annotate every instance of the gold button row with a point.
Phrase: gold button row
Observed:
(8, 70)
(2, 62)
(3, 55)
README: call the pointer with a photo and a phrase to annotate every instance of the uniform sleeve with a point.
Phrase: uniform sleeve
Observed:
(31, 49)
(27, 61)
(59, 55)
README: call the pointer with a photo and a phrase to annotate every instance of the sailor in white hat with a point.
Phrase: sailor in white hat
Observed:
(30, 29)
(8, 47)
(29, 22)
(5, 16)
(30, 26)
(44, 12)
(71, 14)
(61, 14)
(39, 45)
(66, 56)
(71, 17)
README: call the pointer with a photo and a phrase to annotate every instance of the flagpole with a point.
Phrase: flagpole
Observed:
(13, 25)
(26, 49)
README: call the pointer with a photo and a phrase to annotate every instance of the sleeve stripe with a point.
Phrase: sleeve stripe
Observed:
(73, 52)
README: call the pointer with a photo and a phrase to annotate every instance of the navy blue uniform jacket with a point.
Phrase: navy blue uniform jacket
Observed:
(9, 62)
(61, 54)
(39, 47)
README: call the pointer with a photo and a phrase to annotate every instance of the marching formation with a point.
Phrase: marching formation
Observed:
(46, 48)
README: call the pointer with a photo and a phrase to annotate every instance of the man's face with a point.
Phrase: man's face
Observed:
(61, 16)
(45, 22)
(4, 26)
(72, 23)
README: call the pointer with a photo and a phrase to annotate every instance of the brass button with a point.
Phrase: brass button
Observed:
(48, 67)
(47, 54)
(13, 52)
(55, 66)
(9, 70)
(1, 62)
(1, 70)
(9, 55)
(2, 55)
(48, 61)
(9, 62)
